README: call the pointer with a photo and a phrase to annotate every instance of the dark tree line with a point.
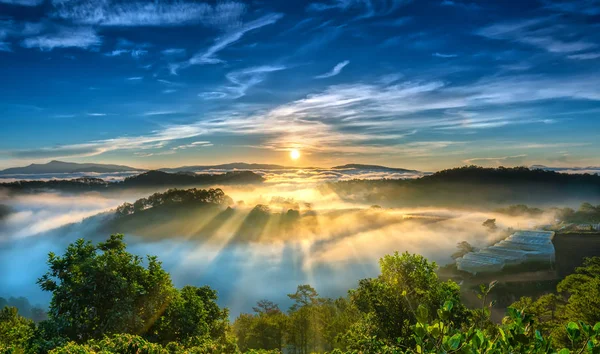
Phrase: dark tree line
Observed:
(146, 179)
(176, 197)
(472, 186)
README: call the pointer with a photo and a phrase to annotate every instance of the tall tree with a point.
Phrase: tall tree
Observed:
(102, 289)
(391, 299)
(302, 318)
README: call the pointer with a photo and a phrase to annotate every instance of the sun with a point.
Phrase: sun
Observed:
(294, 154)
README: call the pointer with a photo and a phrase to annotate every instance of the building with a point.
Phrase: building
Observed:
(518, 248)
(584, 227)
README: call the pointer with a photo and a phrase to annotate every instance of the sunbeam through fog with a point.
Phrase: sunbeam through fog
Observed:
(300, 234)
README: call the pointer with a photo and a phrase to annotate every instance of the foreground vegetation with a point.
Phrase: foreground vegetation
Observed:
(106, 300)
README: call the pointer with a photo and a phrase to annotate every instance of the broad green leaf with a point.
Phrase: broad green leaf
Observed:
(454, 341)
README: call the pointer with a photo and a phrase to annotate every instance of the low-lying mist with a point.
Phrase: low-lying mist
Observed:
(301, 236)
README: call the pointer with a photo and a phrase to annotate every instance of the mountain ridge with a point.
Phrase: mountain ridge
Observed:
(56, 166)
(371, 167)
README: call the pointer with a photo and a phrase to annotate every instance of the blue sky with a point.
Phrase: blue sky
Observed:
(416, 84)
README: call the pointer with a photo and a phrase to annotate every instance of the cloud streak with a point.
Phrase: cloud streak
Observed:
(367, 8)
(82, 37)
(149, 13)
(241, 81)
(209, 55)
(335, 71)
(444, 55)
(546, 33)
(22, 2)
(363, 119)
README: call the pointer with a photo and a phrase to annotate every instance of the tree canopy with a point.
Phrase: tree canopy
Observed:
(107, 300)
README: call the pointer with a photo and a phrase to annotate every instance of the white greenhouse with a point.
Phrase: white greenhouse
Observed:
(518, 248)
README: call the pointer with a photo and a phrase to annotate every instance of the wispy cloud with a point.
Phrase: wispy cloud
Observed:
(22, 2)
(174, 52)
(546, 33)
(171, 84)
(587, 7)
(149, 13)
(116, 52)
(155, 140)
(160, 113)
(96, 114)
(585, 56)
(134, 78)
(80, 37)
(444, 55)
(195, 144)
(368, 8)
(497, 161)
(209, 56)
(136, 50)
(467, 5)
(362, 119)
(241, 81)
(335, 71)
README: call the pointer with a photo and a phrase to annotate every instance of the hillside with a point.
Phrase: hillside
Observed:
(473, 186)
(159, 178)
(146, 179)
(371, 167)
(228, 166)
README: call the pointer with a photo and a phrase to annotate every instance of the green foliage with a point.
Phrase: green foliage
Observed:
(490, 224)
(520, 210)
(578, 299)
(15, 331)
(102, 289)
(106, 300)
(587, 213)
(406, 281)
(192, 313)
(470, 186)
(25, 308)
(174, 197)
(265, 329)
(518, 335)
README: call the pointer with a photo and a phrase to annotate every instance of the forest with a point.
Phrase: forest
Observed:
(143, 180)
(586, 213)
(472, 185)
(107, 300)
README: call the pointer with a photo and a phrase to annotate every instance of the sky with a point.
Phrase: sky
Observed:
(416, 84)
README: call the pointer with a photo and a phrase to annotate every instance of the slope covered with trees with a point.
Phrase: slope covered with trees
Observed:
(106, 300)
(143, 180)
(473, 185)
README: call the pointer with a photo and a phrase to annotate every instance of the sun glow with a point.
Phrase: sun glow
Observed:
(295, 154)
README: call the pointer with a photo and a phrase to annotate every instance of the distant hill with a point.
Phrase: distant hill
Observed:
(473, 186)
(228, 166)
(587, 169)
(143, 180)
(160, 178)
(66, 167)
(72, 167)
(371, 167)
